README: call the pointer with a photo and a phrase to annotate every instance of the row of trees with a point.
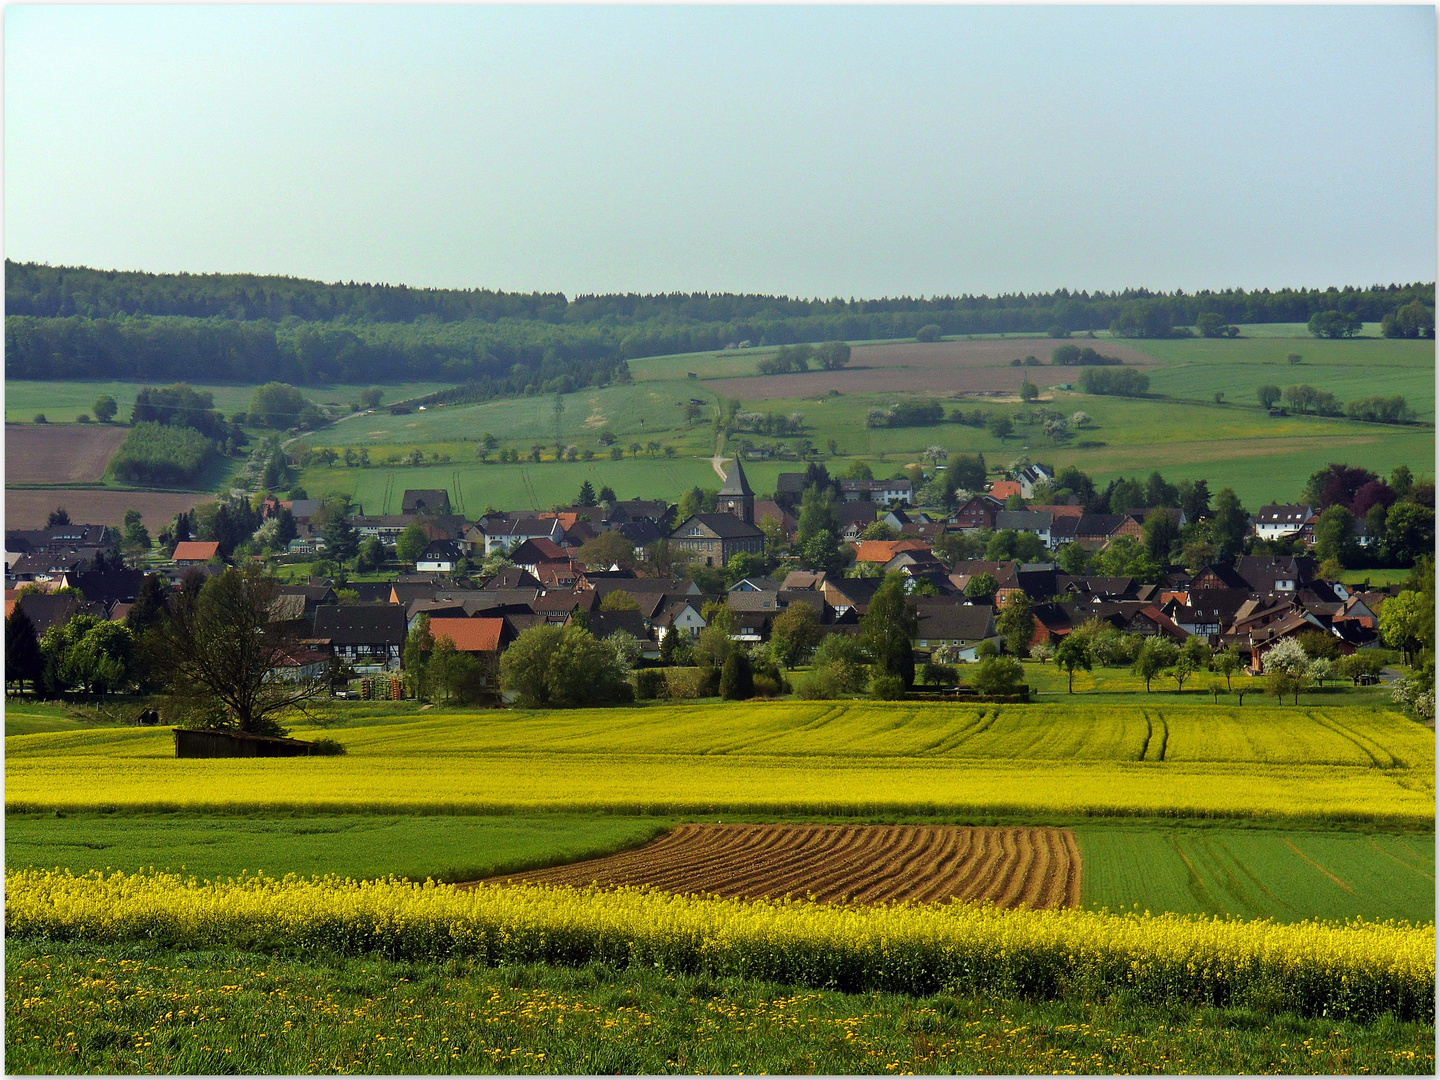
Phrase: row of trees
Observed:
(38, 290)
(829, 356)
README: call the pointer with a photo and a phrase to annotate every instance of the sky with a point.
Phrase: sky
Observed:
(810, 151)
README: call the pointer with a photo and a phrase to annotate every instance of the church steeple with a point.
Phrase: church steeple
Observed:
(736, 497)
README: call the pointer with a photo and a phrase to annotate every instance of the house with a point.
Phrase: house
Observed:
(881, 552)
(388, 527)
(535, 553)
(884, 492)
(603, 624)
(978, 512)
(59, 538)
(502, 533)
(1276, 521)
(45, 610)
(769, 508)
(1002, 490)
(1032, 476)
(425, 501)
(754, 584)
(1265, 574)
(679, 615)
(439, 556)
(1004, 573)
(301, 664)
(196, 552)
(942, 621)
(1096, 530)
(850, 594)
(1035, 522)
(369, 637)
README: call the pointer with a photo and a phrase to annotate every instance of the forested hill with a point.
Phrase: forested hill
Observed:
(76, 323)
(61, 291)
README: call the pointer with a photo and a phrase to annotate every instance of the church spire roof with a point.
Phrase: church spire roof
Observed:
(735, 482)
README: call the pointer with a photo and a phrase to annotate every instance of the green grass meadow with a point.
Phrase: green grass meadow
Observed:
(447, 848)
(137, 1009)
(1286, 875)
(1180, 431)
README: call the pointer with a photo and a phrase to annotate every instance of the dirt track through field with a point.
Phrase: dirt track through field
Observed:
(1033, 867)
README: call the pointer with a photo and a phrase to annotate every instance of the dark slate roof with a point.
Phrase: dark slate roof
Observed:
(57, 537)
(605, 623)
(640, 531)
(512, 577)
(1024, 520)
(109, 586)
(417, 500)
(441, 551)
(45, 610)
(1098, 524)
(724, 526)
(1107, 588)
(361, 624)
(735, 482)
(942, 618)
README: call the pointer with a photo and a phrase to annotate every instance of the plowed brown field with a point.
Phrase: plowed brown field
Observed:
(59, 453)
(1034, 867)
(941, 367)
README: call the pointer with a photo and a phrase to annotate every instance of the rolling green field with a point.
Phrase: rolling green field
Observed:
(1333, 764)
(1182, 431)
(451, 848)
(1286, 875)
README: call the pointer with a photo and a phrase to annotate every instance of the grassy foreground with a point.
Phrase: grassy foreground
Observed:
(75, 1008)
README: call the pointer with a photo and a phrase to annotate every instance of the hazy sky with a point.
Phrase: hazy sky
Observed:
(854, 151)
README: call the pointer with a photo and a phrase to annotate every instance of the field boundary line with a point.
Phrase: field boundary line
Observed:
(1402, 862)
(1317, 866)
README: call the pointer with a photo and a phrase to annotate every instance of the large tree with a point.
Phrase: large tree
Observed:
(1228, 525)
(222, 647)
(817, 538)
(795, 631)
(887, 630)
(1016, 622)
(22, 650)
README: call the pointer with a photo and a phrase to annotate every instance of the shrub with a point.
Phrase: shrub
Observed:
(887, 688)
(40, 418)
(928, 333)
(326, 748)
(83, 418)
(737, 681)
(650, 684)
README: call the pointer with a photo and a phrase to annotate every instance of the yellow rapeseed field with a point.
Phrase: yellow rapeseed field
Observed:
(1356, 970)
(1355, 764)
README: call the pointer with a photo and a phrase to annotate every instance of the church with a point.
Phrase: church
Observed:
(731, 529)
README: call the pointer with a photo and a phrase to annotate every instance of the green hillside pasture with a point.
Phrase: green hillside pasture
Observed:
(451, 848)
(634, 413)
(1197, 367)
(1258, 873)
(64, 400)
(1129, 437)
(785, 758)
(507, 487)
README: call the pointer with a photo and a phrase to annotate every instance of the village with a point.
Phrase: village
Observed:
(632, 568)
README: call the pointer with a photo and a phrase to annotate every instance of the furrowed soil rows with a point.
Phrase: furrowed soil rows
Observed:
(974, 367)
(59, 453)
(28, 508)
(1014, 867)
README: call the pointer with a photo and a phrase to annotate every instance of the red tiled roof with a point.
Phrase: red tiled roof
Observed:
(196, 550)
(1003, 489)
(469, 635)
